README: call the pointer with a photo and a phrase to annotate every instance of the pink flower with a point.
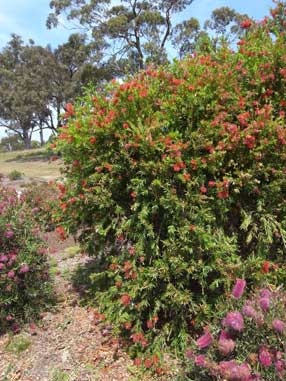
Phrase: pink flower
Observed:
(3, 258)
(205, 340)
(24, 269)
(279, 365)
(264, 303)
(11, 274)
(234, 320)
(238, 288)
(9, 234)
(189, 354)
(233, 371)
(226, 346)
(278, 325)
(265, 293)
(249, 311)
(200, 360)
(265, 357)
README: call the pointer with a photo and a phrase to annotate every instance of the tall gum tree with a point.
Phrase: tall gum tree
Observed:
(137, 31)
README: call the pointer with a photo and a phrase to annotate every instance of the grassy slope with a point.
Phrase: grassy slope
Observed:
(32, 163)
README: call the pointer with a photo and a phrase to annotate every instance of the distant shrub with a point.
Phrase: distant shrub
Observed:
(15, 175)
(24, 279)
(248, 344)
(42, 199)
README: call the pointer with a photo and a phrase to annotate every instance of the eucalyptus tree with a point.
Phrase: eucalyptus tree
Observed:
(134, 31)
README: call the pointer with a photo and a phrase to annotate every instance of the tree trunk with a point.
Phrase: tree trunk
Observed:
(42, 141)
(27, 139)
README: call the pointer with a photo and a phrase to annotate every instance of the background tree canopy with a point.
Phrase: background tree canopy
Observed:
(118, 40)
(140, 31)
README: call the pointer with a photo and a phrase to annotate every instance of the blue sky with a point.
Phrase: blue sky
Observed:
(27, 17)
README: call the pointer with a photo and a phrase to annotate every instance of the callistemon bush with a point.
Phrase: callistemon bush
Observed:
(248, 343)
(24, 281)
(175, 180)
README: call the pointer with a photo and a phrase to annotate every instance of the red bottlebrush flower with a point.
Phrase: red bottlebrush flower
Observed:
(61, 231)
(246, 24)
(125, 125)
(249, 141)
(238, 288)
(127, 325)
(92, 140)
(222, 194)
(125, 299)
(148, 363)
(205, 340)
(186, 176)
(194, 164)
(150, 324)
(143, 93)
(137, 361)
(131, 251)
(192, 228)
(211, 183)
(176, 167)
(266, 267)
(108, 167)
(283, 72)
(137, 337)
(118, 284)
(191, 88)
(203, 189)
(155, 359)
(33, 328)
(69, 110)
(133, 195)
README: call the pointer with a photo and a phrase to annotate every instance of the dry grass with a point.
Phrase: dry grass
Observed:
(34, 163)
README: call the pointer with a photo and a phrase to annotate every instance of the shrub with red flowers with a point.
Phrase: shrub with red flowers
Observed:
(176, 180)
(24, 280)
(248, 344)
(42, 199)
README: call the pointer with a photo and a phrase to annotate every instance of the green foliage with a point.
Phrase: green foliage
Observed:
(24, 281)
(18, 344)
(173, 181)
(15, 175)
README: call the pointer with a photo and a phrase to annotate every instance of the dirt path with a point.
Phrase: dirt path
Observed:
(67, 344)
